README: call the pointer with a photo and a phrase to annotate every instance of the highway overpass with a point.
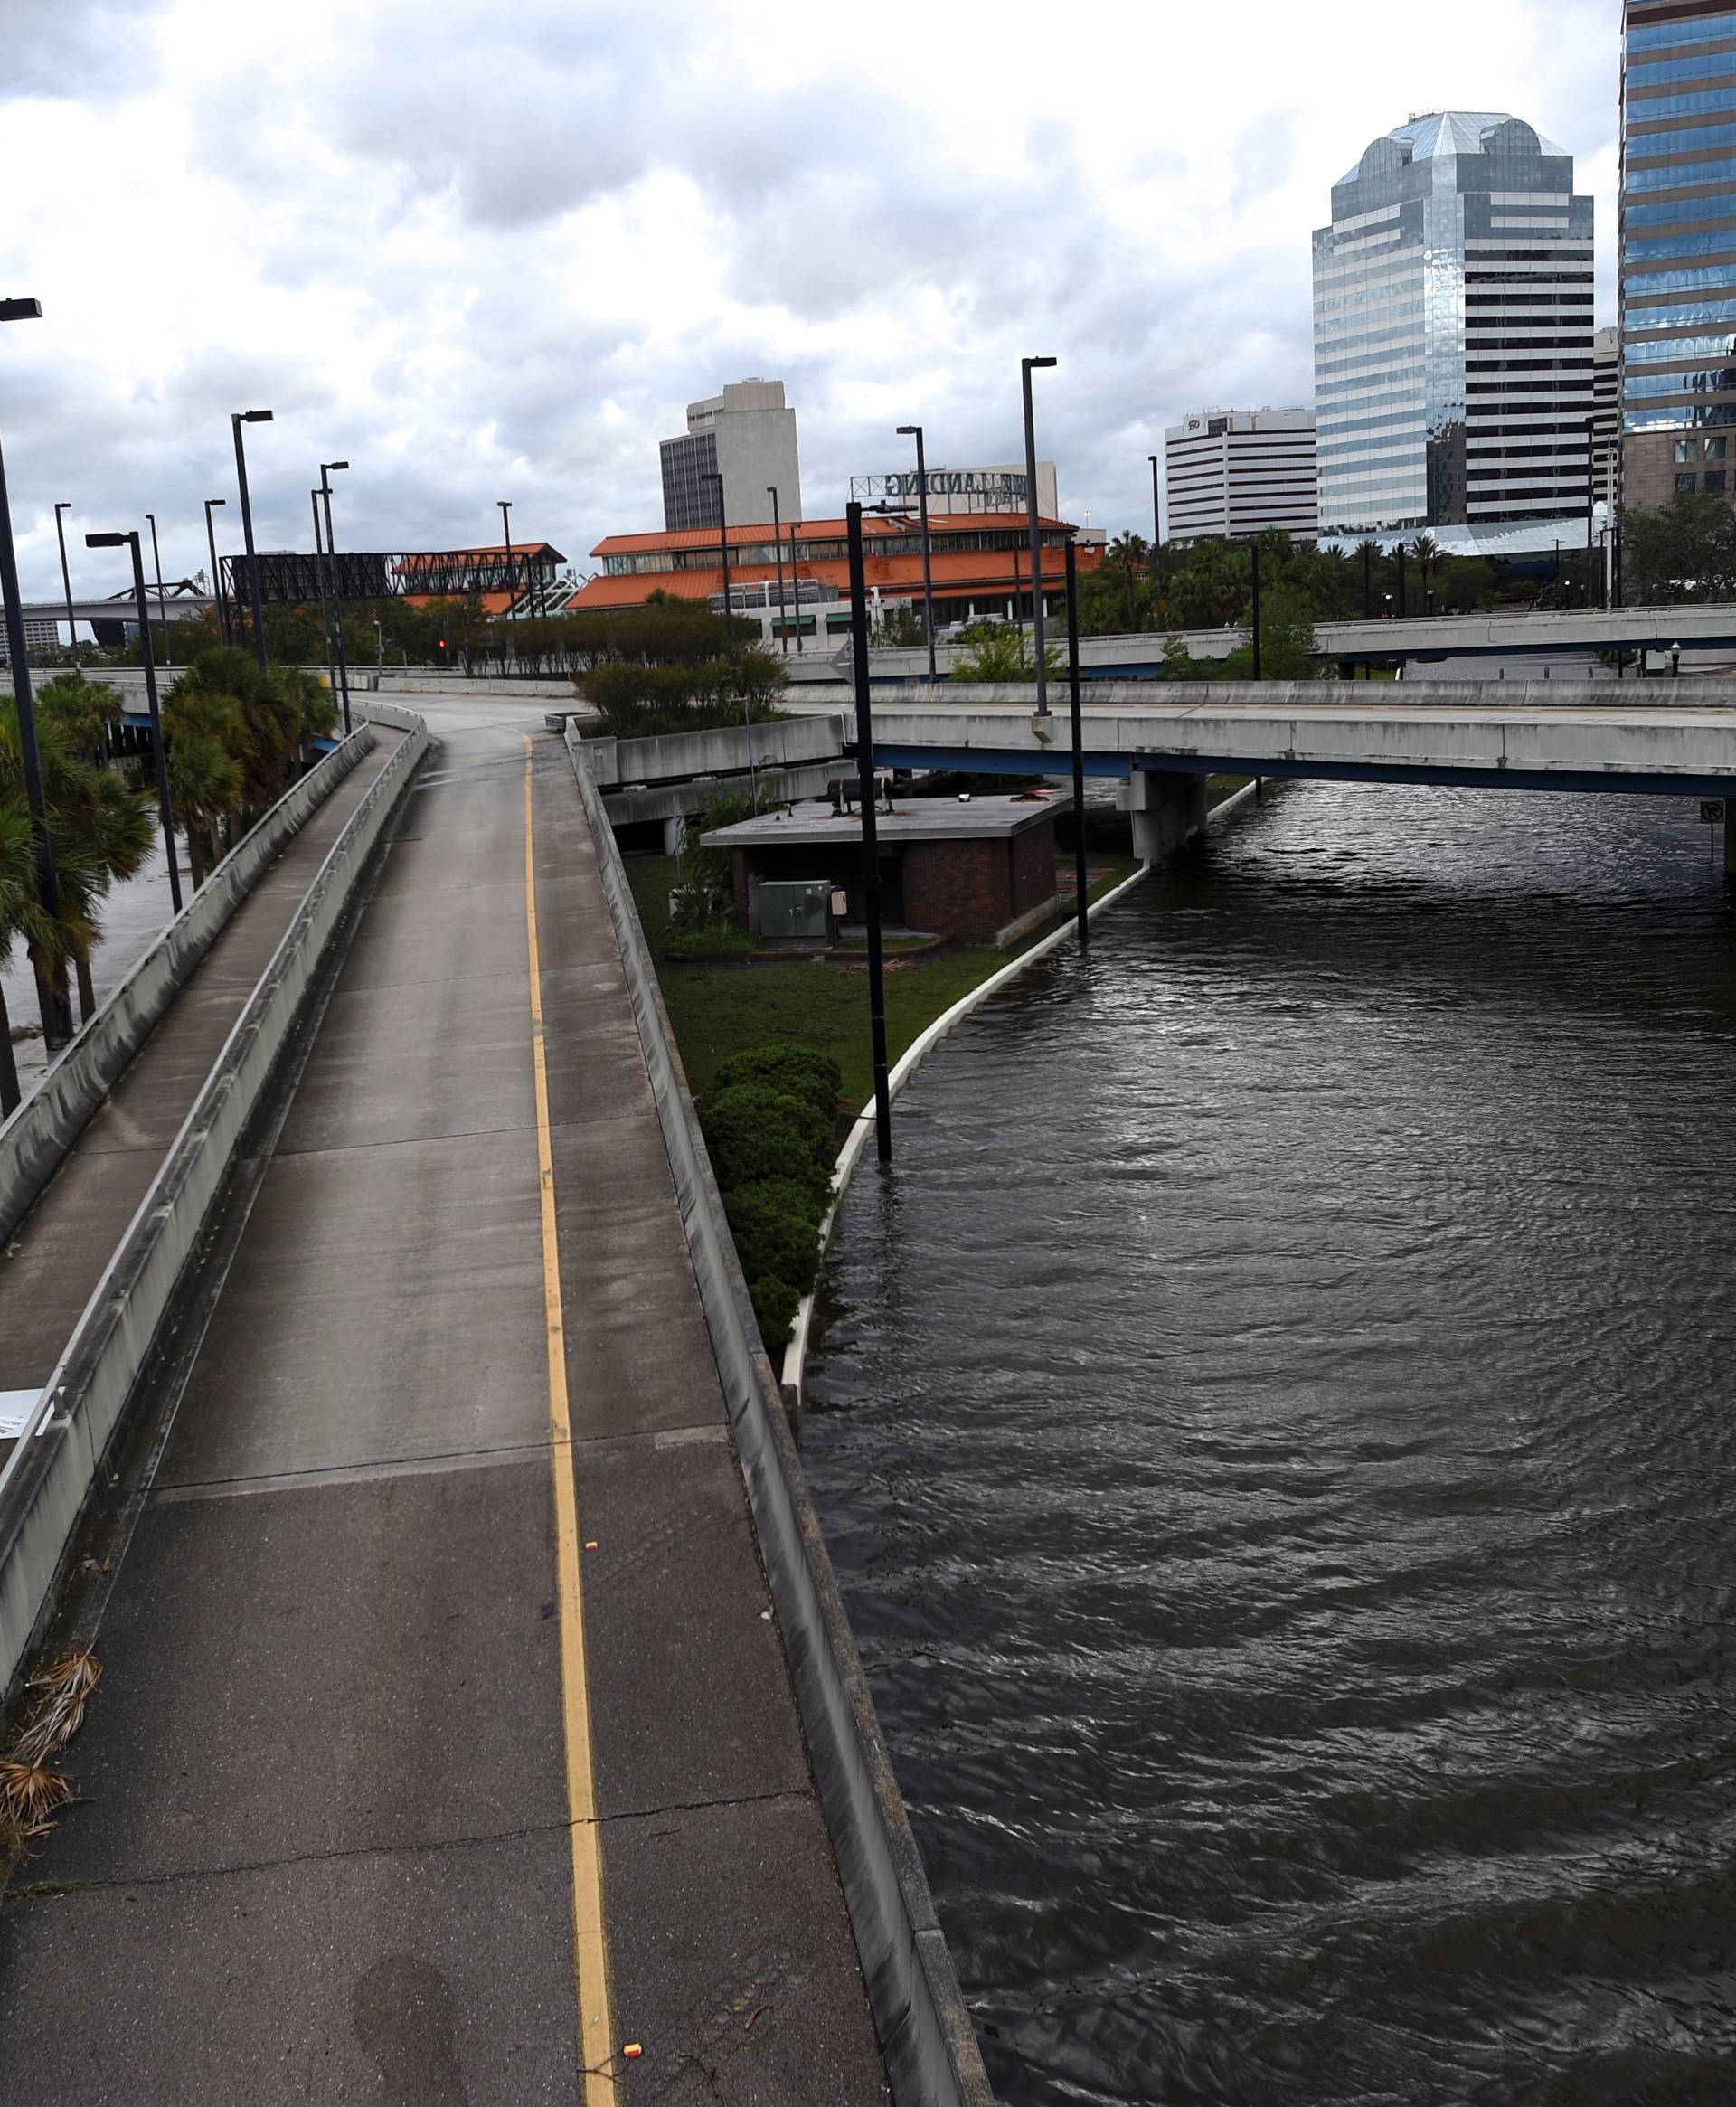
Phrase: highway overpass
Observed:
(1526, 736)
(1418, 636)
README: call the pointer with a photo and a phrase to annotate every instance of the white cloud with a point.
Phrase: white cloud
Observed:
(489, 252)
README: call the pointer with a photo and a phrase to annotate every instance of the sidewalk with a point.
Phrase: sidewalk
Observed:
(341, 1786)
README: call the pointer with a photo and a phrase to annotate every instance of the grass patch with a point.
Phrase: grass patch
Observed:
(718, 1011)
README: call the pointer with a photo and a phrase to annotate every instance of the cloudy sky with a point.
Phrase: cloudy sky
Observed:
(492, 250)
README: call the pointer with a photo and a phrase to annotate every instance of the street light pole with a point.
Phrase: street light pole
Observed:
(1078, 744)
(1026, 367)
(869, 830)
(237, 418)
(325, 597)
(1254, 552)
(778, 557)
(57, 1010)
(130, 540)
(325, 468)
(506, 505)
(1156, 539)
(156, 566)
(216, 575)
(1590, 502)
(66, 579)
(915, 432)
(723, 541)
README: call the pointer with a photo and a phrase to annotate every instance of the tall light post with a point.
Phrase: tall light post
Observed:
(325, 468)
(915, 432)
(723, 541)
(130, 540)
(216, 575)
(156, 566)
(57, 1010)
(66, 578)
(506, 505)
(870, 831)
(1081, 886)
(325, 597)
(1157, 538)
(1026, 367)
(237, 418)
(777, 554)
(1590, 503)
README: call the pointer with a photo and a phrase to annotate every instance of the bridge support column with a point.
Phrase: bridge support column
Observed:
(1730, 838)
(1169, 810)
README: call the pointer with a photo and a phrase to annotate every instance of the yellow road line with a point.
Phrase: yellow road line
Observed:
(591, 1952)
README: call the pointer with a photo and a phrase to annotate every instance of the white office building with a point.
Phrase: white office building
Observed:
(1241, 472)
(747, 435)
(1452, 337)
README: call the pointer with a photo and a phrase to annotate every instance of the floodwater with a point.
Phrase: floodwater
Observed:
(130, 920)
(1276, 1427)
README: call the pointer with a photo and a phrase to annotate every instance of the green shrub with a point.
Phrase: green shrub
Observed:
(756, 1133)
(775, 1304)
(775, 1230)
(800, 1072)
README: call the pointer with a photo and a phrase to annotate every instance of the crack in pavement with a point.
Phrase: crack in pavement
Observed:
(169, 1876)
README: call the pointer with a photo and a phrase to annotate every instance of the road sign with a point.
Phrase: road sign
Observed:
(1712, 811)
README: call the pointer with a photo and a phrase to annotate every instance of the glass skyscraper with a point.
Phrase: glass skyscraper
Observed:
(1452, 337)
(1678, 250)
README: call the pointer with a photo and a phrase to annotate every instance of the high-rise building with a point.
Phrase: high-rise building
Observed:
(748, 436)
(1678, 248)
(1241, 472)
(41, 633)
(1605, 412)
(1452, 335)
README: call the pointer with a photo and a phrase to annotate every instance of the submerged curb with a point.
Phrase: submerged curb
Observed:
(856, 1141)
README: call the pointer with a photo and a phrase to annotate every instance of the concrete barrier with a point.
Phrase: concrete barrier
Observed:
(726, 750)
(924, 2027)
(48, 1477)
(45, 1125)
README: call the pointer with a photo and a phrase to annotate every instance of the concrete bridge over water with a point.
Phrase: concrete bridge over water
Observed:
(1677, 740)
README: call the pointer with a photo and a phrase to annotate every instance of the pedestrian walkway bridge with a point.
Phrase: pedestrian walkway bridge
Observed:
(465, 1732)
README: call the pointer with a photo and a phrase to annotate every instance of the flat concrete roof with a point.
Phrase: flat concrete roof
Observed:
(992, 817)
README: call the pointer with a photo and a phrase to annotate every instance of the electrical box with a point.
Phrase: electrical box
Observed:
(795, 910)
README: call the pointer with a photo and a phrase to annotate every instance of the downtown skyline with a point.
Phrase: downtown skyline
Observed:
(484, 261)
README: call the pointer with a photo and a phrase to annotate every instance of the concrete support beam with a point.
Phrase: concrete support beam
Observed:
(1169, 810)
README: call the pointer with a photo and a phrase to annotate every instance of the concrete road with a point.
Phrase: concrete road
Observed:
(441, 1755)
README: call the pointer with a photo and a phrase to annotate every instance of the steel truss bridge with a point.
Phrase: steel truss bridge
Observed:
(296, 579)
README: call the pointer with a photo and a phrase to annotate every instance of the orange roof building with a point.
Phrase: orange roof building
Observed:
(981, 562)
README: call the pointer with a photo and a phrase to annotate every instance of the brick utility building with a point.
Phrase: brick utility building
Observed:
(976, 871)
(981, 561)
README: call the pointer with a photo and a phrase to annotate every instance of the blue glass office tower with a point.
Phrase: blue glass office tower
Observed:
(1678, 248)
(1452, 337)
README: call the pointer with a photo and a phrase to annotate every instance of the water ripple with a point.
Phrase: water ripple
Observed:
(1274, 1429)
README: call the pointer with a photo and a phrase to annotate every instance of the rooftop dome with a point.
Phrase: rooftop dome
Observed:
(1449, 132)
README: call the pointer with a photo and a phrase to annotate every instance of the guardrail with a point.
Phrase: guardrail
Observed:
(47, 1479)
(43, 1126)
(924, 2027)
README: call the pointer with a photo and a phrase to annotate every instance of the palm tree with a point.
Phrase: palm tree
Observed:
(17, 881)
(100, 830)
(203, 734)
